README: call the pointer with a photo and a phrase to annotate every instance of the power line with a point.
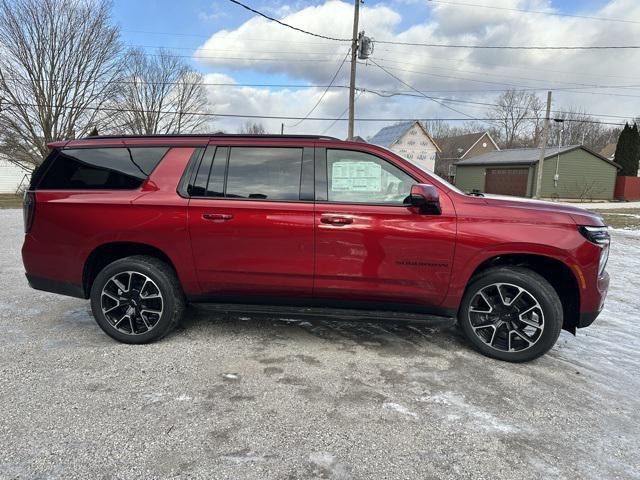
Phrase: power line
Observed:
(335, 75)
(512, 85)
(418, 91)
(442, 45)
(512, 47)
(538, 12)
(472, 72)
(246, 7)
(342, 114)
(330, 54)
(277, 117)
(388, 94)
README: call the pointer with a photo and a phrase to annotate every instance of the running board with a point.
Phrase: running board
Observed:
(327, 313)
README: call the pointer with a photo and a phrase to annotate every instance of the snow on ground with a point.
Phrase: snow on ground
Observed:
(603, 205)
(265, 397)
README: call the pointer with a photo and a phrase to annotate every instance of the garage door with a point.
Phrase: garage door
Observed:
(507, 181)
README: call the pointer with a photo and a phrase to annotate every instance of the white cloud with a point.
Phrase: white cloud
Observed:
(303, 58)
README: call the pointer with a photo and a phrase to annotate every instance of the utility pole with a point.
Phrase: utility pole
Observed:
(543, 144)
(354, 57)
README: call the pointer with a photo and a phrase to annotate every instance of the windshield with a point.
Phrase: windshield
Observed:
(432, 175)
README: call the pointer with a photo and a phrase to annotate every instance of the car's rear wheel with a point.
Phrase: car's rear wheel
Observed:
(511, 313)
(137, 299)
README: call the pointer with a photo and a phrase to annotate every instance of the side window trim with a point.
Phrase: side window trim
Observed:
(307, 176)
(226, 171)
(322, 179)
(322, 185)
(188, 175)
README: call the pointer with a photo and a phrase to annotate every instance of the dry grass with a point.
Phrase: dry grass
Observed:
(9, 200)
(628, 218)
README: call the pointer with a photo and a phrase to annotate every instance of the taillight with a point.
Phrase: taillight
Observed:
(28, 209)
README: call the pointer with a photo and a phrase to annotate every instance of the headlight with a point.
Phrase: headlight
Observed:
(599, 236)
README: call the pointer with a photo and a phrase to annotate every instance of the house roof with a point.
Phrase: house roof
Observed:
(524, 156)
(458, 145)
(387, 136)
(609, 150)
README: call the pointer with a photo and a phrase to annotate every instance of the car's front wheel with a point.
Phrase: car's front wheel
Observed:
(137, 299)
(511, 313)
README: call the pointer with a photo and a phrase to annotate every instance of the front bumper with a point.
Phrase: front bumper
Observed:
(587, 318)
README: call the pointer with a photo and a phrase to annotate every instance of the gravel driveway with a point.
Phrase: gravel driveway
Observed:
(260, 398)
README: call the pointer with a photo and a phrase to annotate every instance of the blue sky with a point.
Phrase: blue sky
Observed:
(186, 24)
(471, 75)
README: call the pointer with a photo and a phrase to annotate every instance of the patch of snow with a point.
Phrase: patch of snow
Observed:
(457, 407)
(625, 232)
(632, 215)
(399, 408)
(154, 397)
(603, 205)
(230, 376)
(325, 465)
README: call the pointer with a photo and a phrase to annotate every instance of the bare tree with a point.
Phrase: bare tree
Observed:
(161, 95)
(252, 128)
(579, 128)
(58, 63)
(443, 129)
(518, 116)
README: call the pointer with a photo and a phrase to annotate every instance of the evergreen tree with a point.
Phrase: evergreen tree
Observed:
(628, 151)
(635, 159)
(94, 132)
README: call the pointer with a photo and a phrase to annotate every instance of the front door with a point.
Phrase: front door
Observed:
(251, 221)
(370, 246)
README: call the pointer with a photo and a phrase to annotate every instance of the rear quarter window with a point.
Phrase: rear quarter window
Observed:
(99, 168)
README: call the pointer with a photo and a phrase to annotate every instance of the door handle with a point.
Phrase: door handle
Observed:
(217, 217)
(336, 220)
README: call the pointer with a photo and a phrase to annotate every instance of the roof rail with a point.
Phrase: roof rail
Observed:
(221, 135)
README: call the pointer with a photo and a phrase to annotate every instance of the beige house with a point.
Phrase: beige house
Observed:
(410, 140)
(13, 178)
(461, 147)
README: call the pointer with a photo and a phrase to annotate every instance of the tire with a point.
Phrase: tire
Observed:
(497, 328)
(151, 304)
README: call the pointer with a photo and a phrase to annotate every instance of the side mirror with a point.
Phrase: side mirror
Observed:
(425, 198)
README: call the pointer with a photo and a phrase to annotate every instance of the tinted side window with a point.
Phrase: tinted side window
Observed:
(101, 168)
(264, 173)
(357, 177)
(202, 176)
(41, 170)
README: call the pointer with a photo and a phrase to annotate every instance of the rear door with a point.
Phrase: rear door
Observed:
(370, 246)
(251, 220)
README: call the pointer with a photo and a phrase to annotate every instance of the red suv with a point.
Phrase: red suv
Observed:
(143, 225)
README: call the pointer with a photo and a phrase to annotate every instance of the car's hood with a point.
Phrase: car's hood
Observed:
(579, 215)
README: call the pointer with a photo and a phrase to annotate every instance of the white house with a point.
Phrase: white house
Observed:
(12, 177)
(410, 140)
